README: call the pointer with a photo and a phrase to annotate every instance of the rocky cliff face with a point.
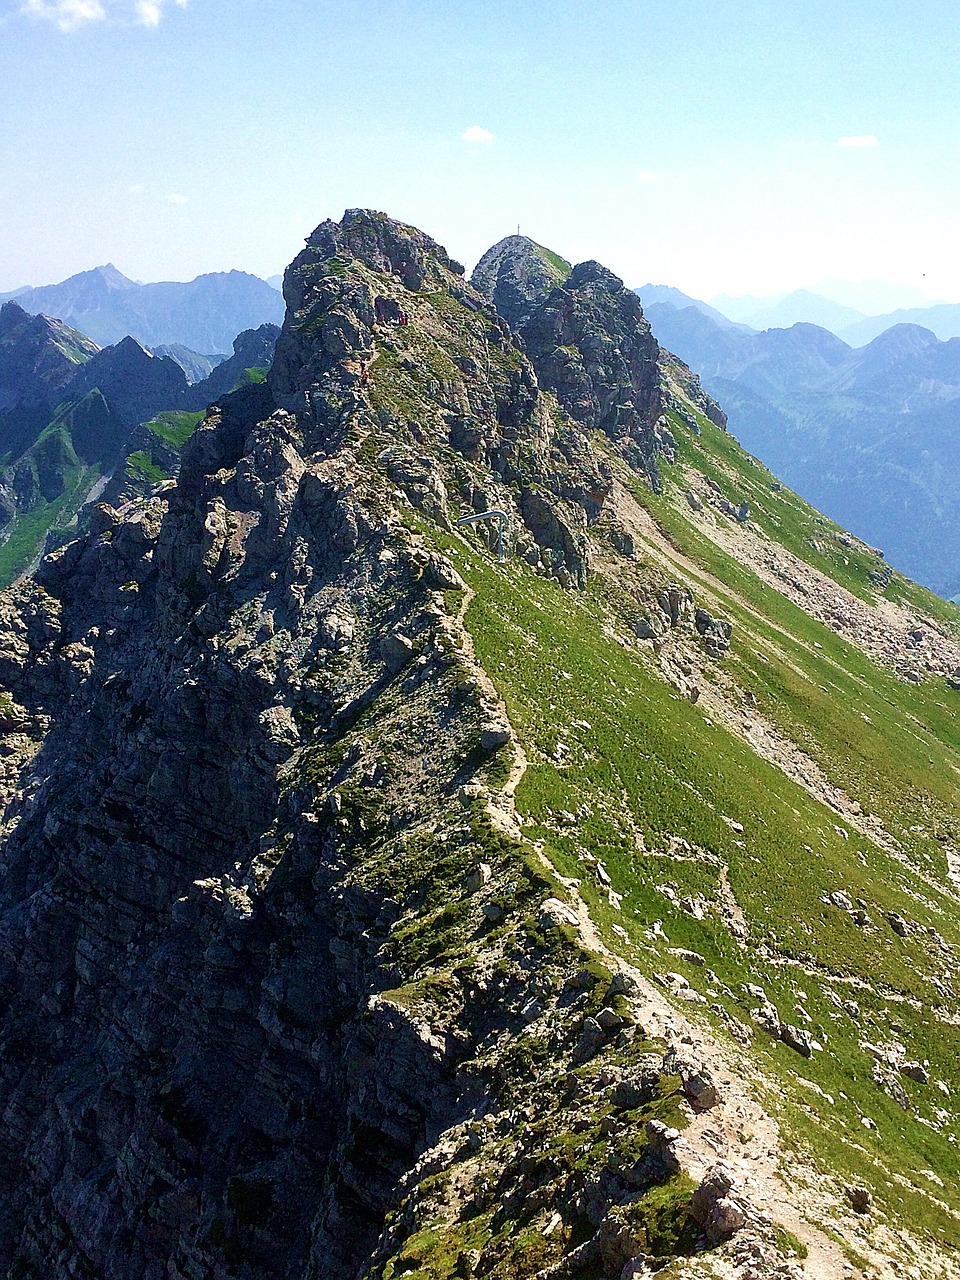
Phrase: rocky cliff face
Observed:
(589, 343)
(292, 986)
(592, 347)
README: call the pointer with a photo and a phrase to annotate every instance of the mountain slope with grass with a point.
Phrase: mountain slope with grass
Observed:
(388, 891)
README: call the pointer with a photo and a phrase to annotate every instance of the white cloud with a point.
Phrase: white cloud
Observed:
(859, 140)
(476, 133)
(647, 175)
(137, 189)
(176, 198)
(149, 12)
(68, 15)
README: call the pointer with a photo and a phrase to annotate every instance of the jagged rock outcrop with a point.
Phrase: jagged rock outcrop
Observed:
(592, 347)
(517, 274)
(252, 349)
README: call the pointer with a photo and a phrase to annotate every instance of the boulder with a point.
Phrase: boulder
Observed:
(592, 1039)
(701, 1088)
(441, 574)
(610, 1020)
(396, 650)
(898, 924)
(478, 877)
(797, 1039)
(860, 1199)
(494, 734)
(716, 1207)
(623, 984)
(662, 1141)
(554, 913)
(915, 1071)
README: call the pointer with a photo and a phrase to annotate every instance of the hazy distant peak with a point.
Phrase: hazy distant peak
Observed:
(902, 339)
(203, 314)
(653, 295)
(110, 276)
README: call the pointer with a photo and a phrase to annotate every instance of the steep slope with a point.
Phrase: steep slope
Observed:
(372, 904)
(592, 347)
(153, 448)
(67, 429)
(38, 357)
(203, 314)
(866, 434)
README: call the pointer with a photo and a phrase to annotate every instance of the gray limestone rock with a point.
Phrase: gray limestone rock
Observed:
(798, 1039)
(517, 274)
(493, 735)
(716, 1206)
(396, 650)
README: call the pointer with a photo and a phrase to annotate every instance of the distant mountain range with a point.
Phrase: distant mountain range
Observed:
(203, 315)
(651, 294)
(780, 311)
(72, 421)
(867, 434)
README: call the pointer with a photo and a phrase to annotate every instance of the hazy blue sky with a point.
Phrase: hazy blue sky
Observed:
(743, 147)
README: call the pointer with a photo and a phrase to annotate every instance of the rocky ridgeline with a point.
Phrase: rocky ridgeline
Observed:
(517, 274)
(591, 346)
(274, 961)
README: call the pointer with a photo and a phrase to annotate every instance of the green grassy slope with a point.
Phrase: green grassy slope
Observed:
(52, 482)
(622, 769)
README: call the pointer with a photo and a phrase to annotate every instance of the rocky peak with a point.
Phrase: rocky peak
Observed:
(38, 356)
(592, 347)
(109, 276)
(593, 274)
(516, 274)
(451, 378)
(134, 383)
(385, 245)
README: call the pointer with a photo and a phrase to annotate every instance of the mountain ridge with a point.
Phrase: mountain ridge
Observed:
(204, 314)
(452, 900)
